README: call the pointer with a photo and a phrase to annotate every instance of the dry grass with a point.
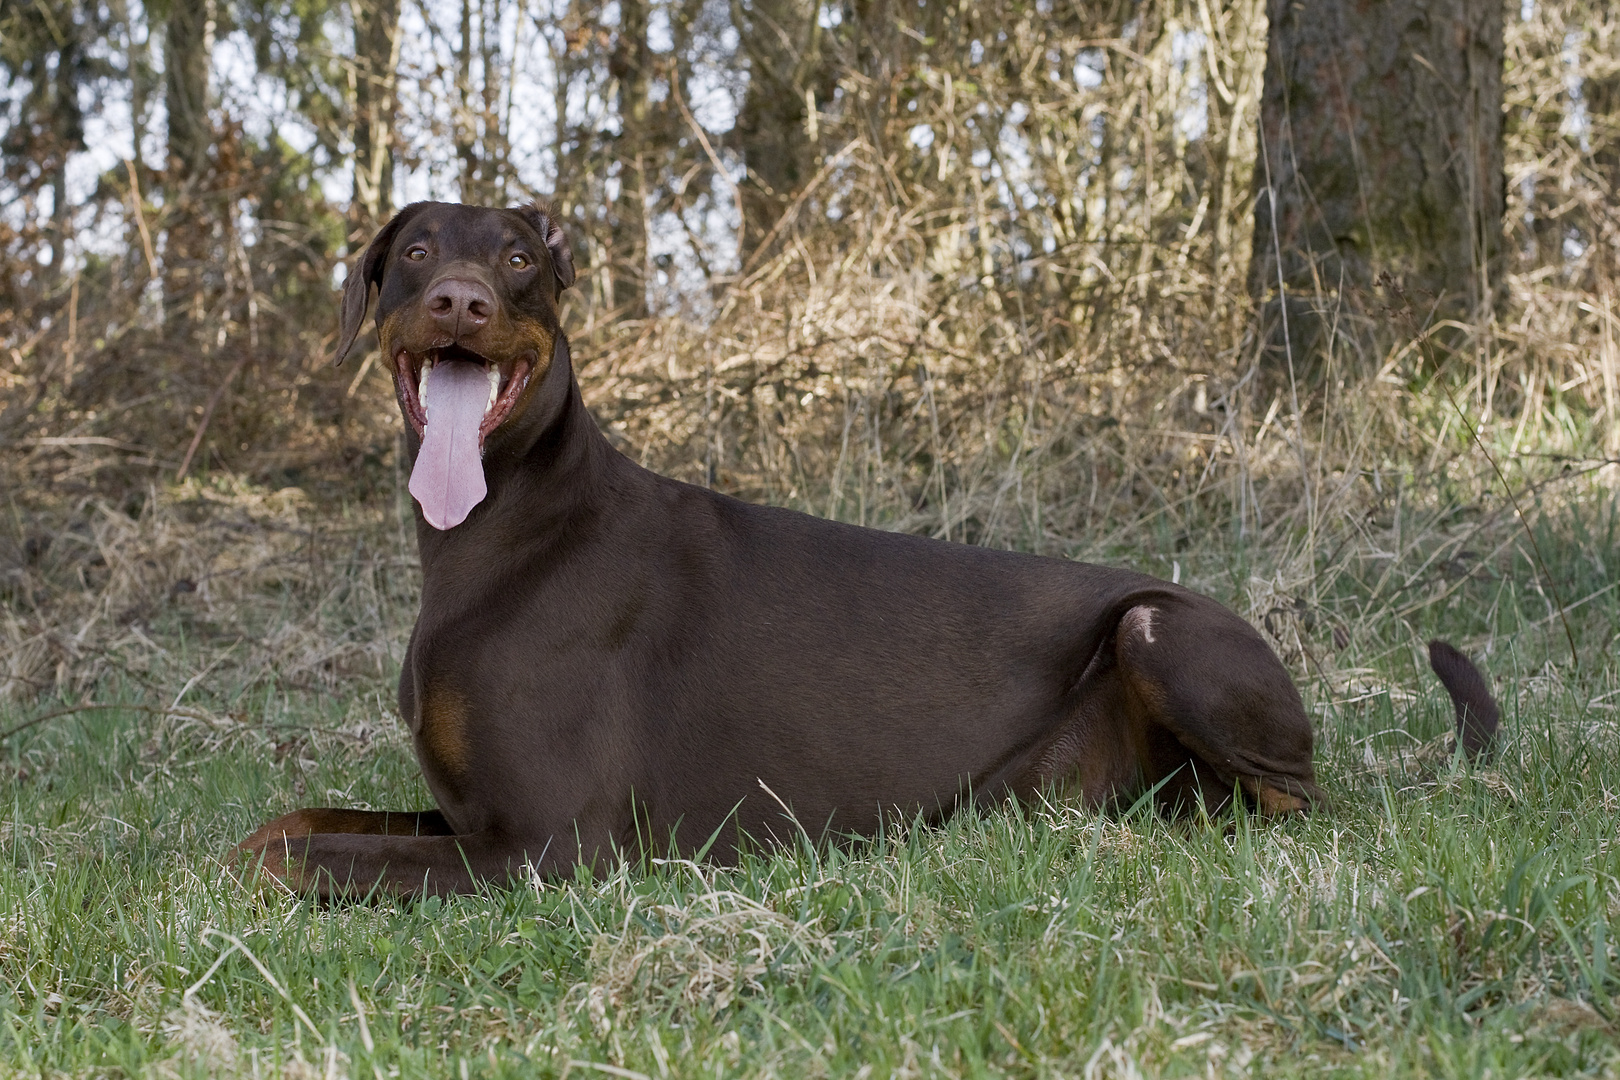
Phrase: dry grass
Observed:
(250, 578)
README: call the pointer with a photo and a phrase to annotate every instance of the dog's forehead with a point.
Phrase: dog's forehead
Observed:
(472, 230)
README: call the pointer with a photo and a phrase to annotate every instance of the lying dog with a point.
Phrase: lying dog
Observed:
(608, 660)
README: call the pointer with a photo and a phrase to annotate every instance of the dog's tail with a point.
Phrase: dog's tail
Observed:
(1477, 714)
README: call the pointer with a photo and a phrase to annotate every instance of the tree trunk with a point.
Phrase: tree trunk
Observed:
(492, 125)
(376, 61)
(185, 63)
(44, 125)
(186, 35)
(69, 139)
(786, 68)
(1381, 152)
(141, 86)
(466, 122)
(1600, 89)
(630, 64)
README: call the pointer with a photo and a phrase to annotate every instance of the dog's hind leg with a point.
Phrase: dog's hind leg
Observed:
(1212, 707)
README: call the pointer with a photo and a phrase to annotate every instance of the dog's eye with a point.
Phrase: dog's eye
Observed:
(416, 254)
(519, 262)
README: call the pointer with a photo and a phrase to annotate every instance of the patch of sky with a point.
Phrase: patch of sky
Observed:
(1088, 68)
(535, 109)
(922, 136)
(670, 250)
(108, 138)
(1187, 50)
(712, 101)
(527, 80)
(1017, 159)
(424, 64)
(108, 127)
(1577, 122)
(685, 249)
(660, 36)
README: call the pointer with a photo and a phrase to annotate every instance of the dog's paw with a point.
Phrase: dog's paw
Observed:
(275, 847)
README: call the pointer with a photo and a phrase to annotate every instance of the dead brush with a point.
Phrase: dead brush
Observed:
(242, 572)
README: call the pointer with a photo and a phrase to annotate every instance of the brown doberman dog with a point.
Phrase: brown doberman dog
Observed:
(607, 660)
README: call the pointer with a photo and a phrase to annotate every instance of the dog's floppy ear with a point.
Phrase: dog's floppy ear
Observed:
(544, 221)
(362, 276)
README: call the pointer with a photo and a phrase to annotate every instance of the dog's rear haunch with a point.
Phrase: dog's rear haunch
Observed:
(609, 661)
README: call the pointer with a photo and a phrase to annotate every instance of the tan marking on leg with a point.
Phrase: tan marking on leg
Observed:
(443, 733)
(312, 820)
(276, 846)
(298, 823)
(1272, 802)
(1149, 694)
(1139, 621)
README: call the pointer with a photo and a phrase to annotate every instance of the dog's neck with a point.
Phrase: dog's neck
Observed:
(542, 470)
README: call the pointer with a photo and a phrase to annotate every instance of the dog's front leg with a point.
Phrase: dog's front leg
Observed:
(329, 820)
(352, 865)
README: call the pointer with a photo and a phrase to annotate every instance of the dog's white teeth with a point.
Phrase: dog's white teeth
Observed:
(421, 384)
(494, 386)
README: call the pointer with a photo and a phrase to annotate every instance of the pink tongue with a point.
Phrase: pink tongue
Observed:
(448, 480)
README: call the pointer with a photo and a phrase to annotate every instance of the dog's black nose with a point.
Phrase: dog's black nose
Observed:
(459, 305)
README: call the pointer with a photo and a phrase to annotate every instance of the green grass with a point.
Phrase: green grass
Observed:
(1440, 923)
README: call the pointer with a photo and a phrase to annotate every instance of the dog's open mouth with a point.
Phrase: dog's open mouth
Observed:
(454, 398)
(506, 381)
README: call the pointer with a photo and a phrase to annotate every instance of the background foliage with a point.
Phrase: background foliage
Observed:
(981, 271)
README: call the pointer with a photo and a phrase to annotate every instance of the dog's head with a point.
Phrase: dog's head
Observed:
(473, 284)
